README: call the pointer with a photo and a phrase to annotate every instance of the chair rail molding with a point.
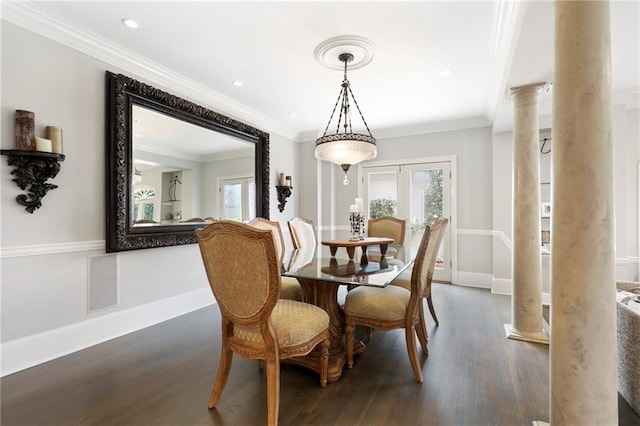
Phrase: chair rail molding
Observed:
(55, 248)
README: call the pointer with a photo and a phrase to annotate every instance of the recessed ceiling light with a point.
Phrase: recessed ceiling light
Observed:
(292, 114)
(130, 23)
(237, 83)
(446, 72)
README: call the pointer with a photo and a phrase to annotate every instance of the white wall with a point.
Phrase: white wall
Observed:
(47, 255)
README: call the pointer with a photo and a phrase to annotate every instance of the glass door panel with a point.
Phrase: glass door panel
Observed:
(429, 199)
(418, 193)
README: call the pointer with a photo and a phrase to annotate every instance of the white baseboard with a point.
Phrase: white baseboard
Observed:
(474, 279)
(32, 350)
(501, 286)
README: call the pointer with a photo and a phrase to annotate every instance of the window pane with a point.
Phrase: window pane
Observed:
(252, 200)
(232, 198)
(426, 204)
(383, 194)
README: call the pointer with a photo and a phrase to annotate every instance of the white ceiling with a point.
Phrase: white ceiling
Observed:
(489, 45)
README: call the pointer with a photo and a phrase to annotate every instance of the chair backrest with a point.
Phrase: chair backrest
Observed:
(302, 233)
(438, 229)
(420, 269)
(274, 227)
(242, 269)
(389, 227)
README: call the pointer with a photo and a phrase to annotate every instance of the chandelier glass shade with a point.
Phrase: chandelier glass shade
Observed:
(344, 147)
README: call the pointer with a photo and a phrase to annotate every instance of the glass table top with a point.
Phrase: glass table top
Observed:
(321, 267)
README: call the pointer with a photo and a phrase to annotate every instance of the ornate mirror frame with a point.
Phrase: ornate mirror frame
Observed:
(122, 93)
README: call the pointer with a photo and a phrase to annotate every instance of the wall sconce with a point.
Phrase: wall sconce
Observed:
(36, 160)
(32, 170)
(284, 191)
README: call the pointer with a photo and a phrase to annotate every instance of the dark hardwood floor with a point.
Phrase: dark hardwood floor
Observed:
(163, 375)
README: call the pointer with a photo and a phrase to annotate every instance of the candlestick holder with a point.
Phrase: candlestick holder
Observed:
(356, 220)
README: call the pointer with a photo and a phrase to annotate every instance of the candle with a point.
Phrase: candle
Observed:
(55, 135)
(288, 180)
(43, 144)
(282, 181)
(25, 130)
(359, 205)
(353, 208)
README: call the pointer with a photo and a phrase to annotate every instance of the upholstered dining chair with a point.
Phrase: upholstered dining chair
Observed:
(438, 229)
(389, 227)
(390, 308)
(290, 287)
(302, 233)
(244, 274)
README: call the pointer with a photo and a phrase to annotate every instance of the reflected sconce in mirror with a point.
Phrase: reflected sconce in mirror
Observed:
(284, 190)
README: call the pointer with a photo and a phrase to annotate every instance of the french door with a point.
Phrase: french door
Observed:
(418, 193)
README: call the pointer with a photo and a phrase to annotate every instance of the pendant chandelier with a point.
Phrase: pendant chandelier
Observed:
(345, 148)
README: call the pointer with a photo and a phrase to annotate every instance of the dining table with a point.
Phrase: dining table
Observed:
(320, 277)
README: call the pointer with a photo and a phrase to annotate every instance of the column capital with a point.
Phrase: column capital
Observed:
(533, 89)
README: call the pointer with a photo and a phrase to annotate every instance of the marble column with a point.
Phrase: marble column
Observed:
(526, 298)
(583, 313)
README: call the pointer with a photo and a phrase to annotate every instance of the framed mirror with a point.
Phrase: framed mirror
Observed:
(174, 166)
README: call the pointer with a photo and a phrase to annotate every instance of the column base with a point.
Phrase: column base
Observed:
(539, 423)
(535, 337)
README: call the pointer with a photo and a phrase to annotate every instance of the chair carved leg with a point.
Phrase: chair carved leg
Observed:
(422, 329)
(432, 310)
(273, 391)
(324, 362)
(410, 335)
(221, 379)
(349, 329)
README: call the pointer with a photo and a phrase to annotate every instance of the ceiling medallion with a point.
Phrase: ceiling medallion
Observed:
(328, 52)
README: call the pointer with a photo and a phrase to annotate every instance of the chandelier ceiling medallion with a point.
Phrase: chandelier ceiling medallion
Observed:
(344, 147)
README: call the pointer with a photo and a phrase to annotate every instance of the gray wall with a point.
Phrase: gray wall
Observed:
(46, 255)
(472, 149)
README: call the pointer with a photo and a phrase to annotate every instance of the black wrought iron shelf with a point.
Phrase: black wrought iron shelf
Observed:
(32, 170)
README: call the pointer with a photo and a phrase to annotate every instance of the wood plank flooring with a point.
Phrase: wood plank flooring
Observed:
(163, 375)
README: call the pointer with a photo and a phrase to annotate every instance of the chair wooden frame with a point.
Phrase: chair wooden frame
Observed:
(411, 319)
(295, 235)
(438, 229)
(290, 286)
(220, 243)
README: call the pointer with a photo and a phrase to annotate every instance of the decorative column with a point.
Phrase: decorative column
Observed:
(583, 308)
(526, 298)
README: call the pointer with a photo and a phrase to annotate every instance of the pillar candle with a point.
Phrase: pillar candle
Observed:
(43, 144)
(288, 180)
(282, 181)
(359, 205)
(353, 208)
(55, 135)
(25, 130)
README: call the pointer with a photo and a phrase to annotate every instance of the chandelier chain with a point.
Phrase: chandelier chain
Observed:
(360, 112)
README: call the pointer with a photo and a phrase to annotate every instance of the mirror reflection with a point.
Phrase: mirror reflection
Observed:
(187, 174)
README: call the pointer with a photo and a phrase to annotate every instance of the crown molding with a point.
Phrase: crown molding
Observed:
(29, 16)
(507, 22)
(417, 129)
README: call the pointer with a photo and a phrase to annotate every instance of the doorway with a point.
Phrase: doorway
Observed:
(418, 192)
